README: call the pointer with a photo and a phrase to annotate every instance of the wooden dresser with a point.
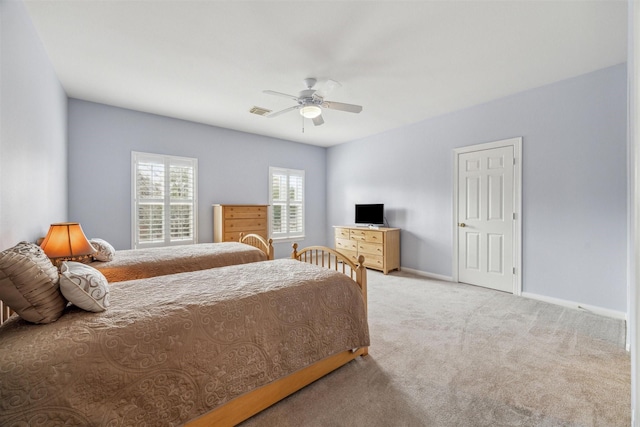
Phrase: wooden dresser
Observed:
(231, 220)
(380, 247)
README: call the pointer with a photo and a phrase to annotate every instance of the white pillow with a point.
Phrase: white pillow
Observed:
(84, 286)
(104, 251)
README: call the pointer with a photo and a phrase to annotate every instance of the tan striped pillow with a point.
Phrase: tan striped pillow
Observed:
(29, 283)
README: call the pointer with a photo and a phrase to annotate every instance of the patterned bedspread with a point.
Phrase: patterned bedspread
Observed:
(171, 348)
(143, 263)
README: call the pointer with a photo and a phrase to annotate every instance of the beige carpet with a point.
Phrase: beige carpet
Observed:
(445, 354)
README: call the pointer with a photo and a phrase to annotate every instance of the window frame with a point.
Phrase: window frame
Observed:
(167, 160)
(288, 234)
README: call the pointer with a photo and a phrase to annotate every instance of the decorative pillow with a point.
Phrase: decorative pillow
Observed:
(29, 283)
(84, 286)
(104, 251)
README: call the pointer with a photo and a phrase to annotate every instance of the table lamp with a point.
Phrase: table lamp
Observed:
(66, 242)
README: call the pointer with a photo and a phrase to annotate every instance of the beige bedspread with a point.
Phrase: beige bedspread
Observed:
(142, 263)
(171, 348)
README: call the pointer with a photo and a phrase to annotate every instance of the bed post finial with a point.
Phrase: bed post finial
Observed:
(294, 254)
(361, 272)
(271, 254)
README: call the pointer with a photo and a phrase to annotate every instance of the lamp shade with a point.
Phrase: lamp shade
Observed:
(66, 240)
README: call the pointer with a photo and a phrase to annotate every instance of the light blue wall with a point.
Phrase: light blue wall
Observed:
(233, 167)
(574, 174)
(574, 184)
(33, 132)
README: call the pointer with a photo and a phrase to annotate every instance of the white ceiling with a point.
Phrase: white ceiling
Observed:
(404, 62)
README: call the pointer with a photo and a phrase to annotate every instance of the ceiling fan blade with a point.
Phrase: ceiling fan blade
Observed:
(286, 110)
(318, 120)
(351, 108)
(272, 92)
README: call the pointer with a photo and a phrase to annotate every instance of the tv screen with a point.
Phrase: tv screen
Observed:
(370, 214)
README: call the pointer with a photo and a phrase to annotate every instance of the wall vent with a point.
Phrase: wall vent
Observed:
(259, 111)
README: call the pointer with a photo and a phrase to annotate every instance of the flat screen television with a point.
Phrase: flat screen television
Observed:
(372, 214)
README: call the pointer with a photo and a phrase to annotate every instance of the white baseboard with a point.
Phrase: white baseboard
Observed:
(571, 304)
(427, 274)
(615, 314)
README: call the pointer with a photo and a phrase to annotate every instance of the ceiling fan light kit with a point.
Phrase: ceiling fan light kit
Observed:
(310, 111)
(311, 102)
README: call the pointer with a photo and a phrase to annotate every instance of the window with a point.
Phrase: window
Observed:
(287, 203)
(164, 203)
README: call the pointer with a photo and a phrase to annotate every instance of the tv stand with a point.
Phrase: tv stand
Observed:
(380, 246)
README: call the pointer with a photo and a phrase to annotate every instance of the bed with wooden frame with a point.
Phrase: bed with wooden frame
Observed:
(133, 264)
(169, 359)
(130, 264)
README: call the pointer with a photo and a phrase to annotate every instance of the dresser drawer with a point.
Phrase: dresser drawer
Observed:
(240, 212)
(342, 233)
(370, 249)
(373, 236)
(245, 225)
(374, 261)
(345, 244)
(234, 236)
(351, 255)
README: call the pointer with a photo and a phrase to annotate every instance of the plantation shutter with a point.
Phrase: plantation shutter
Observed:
(287, 203)
(164, 205)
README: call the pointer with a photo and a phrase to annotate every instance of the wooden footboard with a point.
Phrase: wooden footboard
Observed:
(259, 242)
(249, 404)
(329, 258)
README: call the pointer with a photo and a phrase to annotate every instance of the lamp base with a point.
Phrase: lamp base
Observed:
(85, 259)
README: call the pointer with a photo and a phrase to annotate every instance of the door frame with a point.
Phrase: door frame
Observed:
(516, 143)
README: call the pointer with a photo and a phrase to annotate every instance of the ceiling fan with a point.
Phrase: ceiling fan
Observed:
(310, 101)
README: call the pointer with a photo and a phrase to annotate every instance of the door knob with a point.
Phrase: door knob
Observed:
(462, 224)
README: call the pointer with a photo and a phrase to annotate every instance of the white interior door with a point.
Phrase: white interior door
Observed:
(485, 218)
